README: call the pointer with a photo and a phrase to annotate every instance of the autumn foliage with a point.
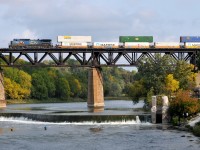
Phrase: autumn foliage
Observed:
(183, 103)
(17, 84)
(171, 84)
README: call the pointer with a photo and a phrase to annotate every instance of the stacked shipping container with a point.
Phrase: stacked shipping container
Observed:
(136, 41)
(184, 39)
(137, 45)
(124, 39)
(167, 45)
(74, 41)
(192, 45)
(106, 45)
(190, 41)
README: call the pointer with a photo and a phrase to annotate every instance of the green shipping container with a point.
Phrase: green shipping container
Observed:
(123, 39)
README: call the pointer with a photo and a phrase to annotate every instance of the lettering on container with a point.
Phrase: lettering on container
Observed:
(67, 37)
(193, 45)
(105, 44)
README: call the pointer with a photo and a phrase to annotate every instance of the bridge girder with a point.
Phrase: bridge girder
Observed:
(89, 57)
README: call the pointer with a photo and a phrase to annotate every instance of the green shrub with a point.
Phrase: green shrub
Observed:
(189, 127)
(196, 129)
(197, 124)
(175, 121)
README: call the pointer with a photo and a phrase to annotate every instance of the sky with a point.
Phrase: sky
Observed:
(104, 20)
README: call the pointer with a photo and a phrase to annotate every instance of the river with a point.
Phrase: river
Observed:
(26, 134)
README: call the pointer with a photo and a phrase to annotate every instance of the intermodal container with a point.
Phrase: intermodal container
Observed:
(192, 45)
(73, 45)
(124, 39)
(190, 39)
(105, 45)
(74, 39)
(136, 45)
(167, 45)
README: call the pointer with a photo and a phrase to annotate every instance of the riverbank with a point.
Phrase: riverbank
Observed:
(192, 125)
(55, 100)
(36, 101)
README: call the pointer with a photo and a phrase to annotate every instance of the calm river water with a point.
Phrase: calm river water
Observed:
(24, 134)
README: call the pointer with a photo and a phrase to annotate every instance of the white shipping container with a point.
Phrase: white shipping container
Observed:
(106, 45)
(167, 45)
(74, 39)
(137, 45)
(192, 45)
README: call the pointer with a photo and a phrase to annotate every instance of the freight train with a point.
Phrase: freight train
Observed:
(77, 42)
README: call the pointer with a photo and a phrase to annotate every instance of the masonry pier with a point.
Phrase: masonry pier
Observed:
(95, 90)
(2, 91)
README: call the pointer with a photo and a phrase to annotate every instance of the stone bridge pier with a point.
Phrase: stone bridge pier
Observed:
(2, 91)
(95, 90)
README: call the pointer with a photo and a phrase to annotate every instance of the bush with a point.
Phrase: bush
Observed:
(196, 129)
(197, 124)
(183, 103)
(175, 121)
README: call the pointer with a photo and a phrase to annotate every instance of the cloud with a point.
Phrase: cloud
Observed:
(26, 34)
(102, 19)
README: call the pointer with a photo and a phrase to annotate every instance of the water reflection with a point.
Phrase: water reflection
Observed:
(1, 131)
(95, 109)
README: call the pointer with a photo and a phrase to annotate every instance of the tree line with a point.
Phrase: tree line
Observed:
(63, 83)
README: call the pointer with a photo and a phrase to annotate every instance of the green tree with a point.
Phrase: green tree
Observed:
(63, 88)
(154, 72)
(115, 80)
(148, 99)
(185, 75)
(136, 91)
(75, 86)
(50, 78)
(39, 88)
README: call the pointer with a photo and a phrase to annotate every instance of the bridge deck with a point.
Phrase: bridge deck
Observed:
(88, 57)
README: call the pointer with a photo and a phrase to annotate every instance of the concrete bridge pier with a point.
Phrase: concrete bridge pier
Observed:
(159, 114)
(95, 90)
(165, 107)
(2, 91)
(154, 109)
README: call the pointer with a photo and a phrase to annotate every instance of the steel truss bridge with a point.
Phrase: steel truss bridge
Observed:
(90, 57)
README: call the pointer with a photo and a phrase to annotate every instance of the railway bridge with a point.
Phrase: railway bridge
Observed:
(88, 57)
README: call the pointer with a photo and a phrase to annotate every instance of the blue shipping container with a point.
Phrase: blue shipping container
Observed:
(189, 39)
